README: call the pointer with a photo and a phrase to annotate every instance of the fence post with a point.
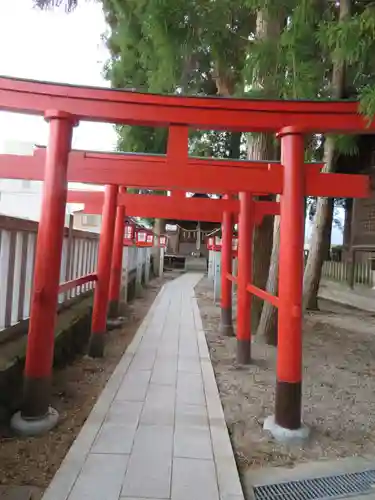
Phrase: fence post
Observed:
(69, 253)
(211, 255)
(161, 264)
(217, 277)
(369, 272)
(351, 270)
(147, 266)
(138, 277)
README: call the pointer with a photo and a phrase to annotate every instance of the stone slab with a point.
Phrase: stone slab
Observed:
(157, 432)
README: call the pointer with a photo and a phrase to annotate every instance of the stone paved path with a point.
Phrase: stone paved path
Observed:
(158, 430)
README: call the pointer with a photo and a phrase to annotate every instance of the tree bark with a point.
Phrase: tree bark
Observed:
(263, 147)
(259, 147)
(267, 329)
(348, 223)
(235, 145)
(313, 269)
(159, 228)
(328, 230)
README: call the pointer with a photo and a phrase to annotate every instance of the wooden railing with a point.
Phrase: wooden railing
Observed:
(17, 255)
(340, 271)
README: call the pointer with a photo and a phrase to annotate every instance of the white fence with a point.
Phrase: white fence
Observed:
(340, 271)
(79, 258)
(132, 259)
(17, 256)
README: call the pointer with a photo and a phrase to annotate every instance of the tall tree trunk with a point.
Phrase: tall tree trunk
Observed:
(313, 269)
(262, 147)
(328, 230)
(348, 224)
(159, 228)
(235, 145)
(267, 329)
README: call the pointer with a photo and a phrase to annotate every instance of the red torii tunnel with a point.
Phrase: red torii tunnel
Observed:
(164, 207)
(63, 106)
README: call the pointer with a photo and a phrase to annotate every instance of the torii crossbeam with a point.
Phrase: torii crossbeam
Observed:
(63, 106)
(165, 207)
(244, 115)
(157, 172)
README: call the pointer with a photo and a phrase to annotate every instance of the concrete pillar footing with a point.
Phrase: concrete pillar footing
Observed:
(113, 323)
(29, 427)
(284, 435)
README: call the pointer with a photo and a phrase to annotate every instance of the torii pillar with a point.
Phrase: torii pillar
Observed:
(116, 265)
(226, 325)
(101, 294)
(36, 415)
(286, 424)
(245, 259)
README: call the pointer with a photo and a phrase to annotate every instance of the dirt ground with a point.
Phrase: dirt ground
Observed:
(34, 461)
(338, 387)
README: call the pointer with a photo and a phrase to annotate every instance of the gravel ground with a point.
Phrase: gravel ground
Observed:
(338, 387)
(33, 462)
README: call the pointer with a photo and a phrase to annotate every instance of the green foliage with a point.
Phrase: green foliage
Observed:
(69, 5)
(346, 145)
(193, 47)
(179, 46)
(142, 139)
(367, 103)
(217, 144)
(353, 41)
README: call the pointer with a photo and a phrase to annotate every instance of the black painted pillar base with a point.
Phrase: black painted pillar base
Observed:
(36, 397)
(36, 416)
(96, 345)
(243, 352)
(226, 324)
(113, 309)
(288, 405)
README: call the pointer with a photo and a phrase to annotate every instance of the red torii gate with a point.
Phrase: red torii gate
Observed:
(63, 106)
(164, 207)
(159, 207)
(195, 174)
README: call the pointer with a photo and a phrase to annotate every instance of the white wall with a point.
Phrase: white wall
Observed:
(20, 198)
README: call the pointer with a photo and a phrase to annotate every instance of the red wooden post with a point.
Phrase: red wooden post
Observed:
(289, 351)
(99, 314)
(36, 416)
(245, 250)
(226, 325)
(116, 267)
